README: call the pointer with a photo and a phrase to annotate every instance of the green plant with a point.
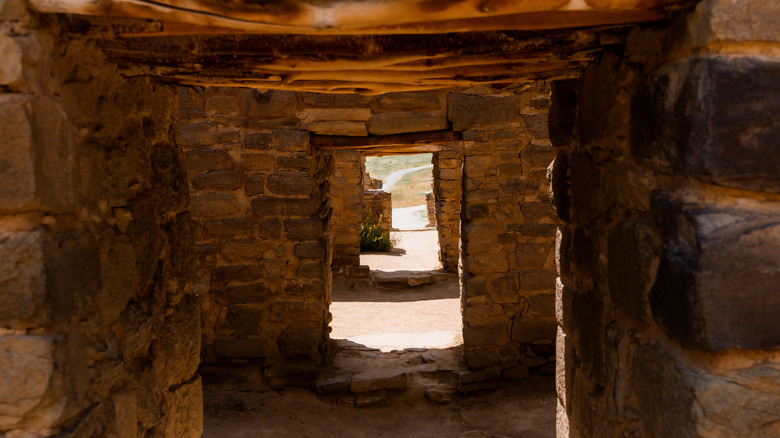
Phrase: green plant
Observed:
(373, 237)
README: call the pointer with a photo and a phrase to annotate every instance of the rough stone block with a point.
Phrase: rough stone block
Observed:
(406, 102)
(470, 111)
(257, 140)
(379, 379)
(240, 321)
(207, 160)
(711, 253)
(310, 250)
(217, 180)
(22, 278)
(325, 100)
(304, 229)
(290, 140)
(176, 349)
(236, 227)
(223, 275)
(527, 329)
(222, 104)
(728, 136)
(268, 206)
(536, 125)
(26, 369)
(538, 212)
(532, 255)
(236, 249)
(296, 311)
(474, 336)
(299, 341)
(240, 348)
(481, 358)
(11, 71)
(254, 184)
(676, 399)
(634, 248)
(17, 159)
(293, 163)
(312, 269)
(290, 183)
(401, 122)
(244, 293)
(269, 104)
(541, 279)
(208, 205)
(262, 162)
(349, 128)
(730, 21)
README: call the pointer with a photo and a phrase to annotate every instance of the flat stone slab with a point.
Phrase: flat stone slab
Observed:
(401, 279)
(375, 380)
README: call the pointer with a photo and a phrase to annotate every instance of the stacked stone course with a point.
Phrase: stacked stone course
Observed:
(667, 294)
(507, 231)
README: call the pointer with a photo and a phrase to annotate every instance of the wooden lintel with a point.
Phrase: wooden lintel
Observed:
(416, 142)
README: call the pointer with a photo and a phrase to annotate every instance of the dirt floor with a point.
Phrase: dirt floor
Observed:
(414, 331)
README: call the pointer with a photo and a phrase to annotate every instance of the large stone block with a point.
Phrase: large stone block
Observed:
(725, 132)
(299, 341)
(269, 206)
(401, 122)
(716, 286)
(217, 180)
(289, 183)
(406, 102)
(467, 111)
(185, 415)
(528, 329)
(22, 278)
(296, 311)
(677, 399)
(17, 159)
(209, 205)
(241, 321)
(11, 71)
(26, 369)
(176, 349)
(304, 229)
(206, 160)
(223, 275)
(269, 104)
(496, 334)
(731, 21)
(243, 293)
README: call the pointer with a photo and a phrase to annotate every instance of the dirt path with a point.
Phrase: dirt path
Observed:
(391, 179)
(408, 218)
(415, 251)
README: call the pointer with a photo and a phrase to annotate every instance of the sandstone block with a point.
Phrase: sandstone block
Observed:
(676, 399)
(208, 205)
(440, 394)
(304, 229)
(236, 227)
(325, 100)
(401, 122)
(469, 111)
(176, 348)
(349, 128)
(724, 20)
(379, 379)
(290, 183)
(270, 228)
(532, 255)
(536, 125)
(711, 252)
(311, 269)
(257, 140)
(254, 184)
(240, 321)
(474, 336)
(206, 160)
(296, 311)
(406, 102)
(11, 72)
(269, 104)
(267, 206)
(223, 275)
(236, 249)
(244, 293)
(334, 385)
(480, 358)
(290, 140)
(527, 329)
(222, 104)
(262, 162)
(299, 341)
(17, 165)
(217, 180)
(633, 253)
(293, 163)
(727, 138)
(310, 250)
(312, 115)
(240, 348)
(22, 277)
(26, 366)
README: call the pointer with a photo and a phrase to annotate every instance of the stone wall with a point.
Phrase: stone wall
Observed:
(430, 209)
(346, 199)
(378, 204)
(447, 192)
(259, 203)
(508, 228)
(667, 177)
(99, 331)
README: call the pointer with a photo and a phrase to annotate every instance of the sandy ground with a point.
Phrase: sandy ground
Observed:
(408, 218)
(372, 327)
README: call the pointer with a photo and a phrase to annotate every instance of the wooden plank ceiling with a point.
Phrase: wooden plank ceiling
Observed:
(356, 46)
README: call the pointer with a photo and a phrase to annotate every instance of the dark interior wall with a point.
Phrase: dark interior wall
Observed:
(667, 295)
(99, 332)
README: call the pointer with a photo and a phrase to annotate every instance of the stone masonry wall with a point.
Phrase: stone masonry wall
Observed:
(668, 178)
(508, 228)
(259, 202)
(378, 204)
(447, 192)
(346, 199)
(99, 332)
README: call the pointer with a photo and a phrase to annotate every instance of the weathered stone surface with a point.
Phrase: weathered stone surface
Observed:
(266, 205)
(333, 385)
(401, 122)
(326, 100)
(241, 348)
(236, 227)
(244, 293)
(176, 349)
(11, 70)
(310, 250)
(221, 104)
(22, 278)
(440, 394)
(710, 254)
(217, 180)
(185, 418)
(485, 335)
(527, 330)
(269, 104)
(379, 379)
(26, 369)
(311, 115)
(17, 176)
(470, 111)
(296, 311)
(210, 205)
(257, 140)
(240, 273)
(724, 20)
(304, 229)
(630, 278)
(406, 102)
(290, 140)
(303, 341)
(289, 183)
(206, 160)
(532, 255)
(338, 127)
(718, 138)
(240, 320)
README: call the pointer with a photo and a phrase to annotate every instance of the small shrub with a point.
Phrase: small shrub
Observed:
(373, 237)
